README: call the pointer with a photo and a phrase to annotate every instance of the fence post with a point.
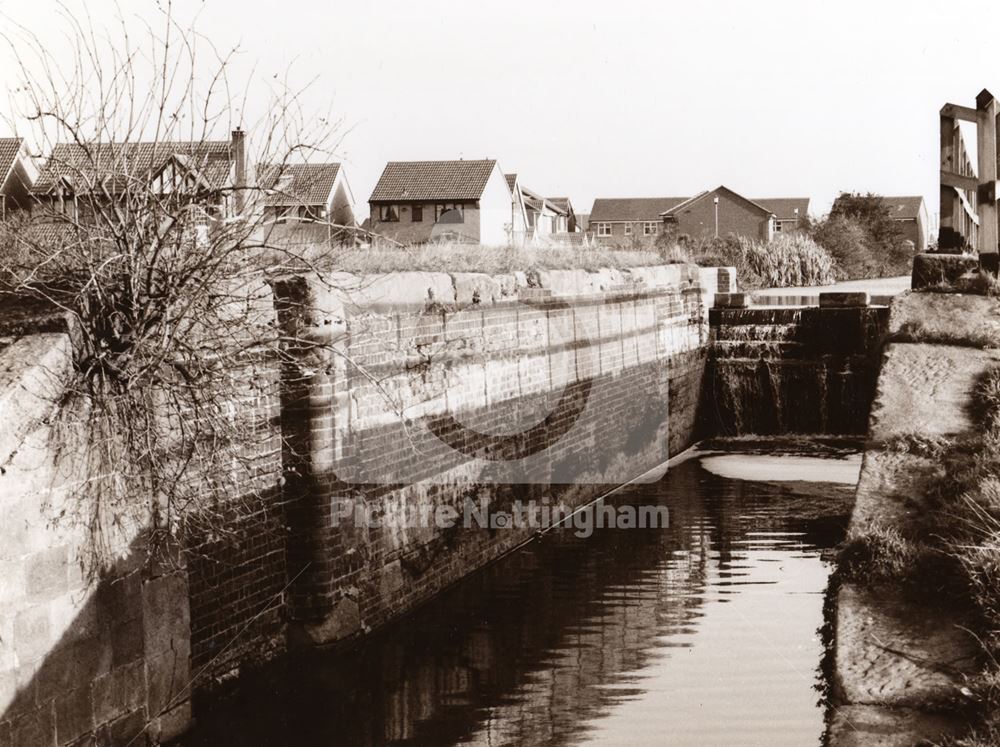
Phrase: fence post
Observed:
(950, 227)
(986, 126)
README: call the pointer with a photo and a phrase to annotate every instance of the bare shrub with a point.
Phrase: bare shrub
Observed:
(145, 233)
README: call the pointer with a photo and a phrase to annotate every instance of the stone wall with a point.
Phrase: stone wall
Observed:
(98, 641)
(386, 363)
(79, 655)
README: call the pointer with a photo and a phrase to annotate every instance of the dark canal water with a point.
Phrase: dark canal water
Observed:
(704, 633)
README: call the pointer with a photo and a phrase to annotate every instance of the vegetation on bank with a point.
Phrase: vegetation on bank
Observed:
(790, 260)
(863, 239)
(492, 260)
(948, 552)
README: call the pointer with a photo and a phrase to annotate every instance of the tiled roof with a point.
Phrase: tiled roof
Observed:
(686, 204)
(433, 180)
(561, 204)
(784, 207)
(9, 148)
(121, 161)
(299, 183)
(511, 181)
(632, 208)
(904, 207)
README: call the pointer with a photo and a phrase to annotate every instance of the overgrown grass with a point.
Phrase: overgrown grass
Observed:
(492, 260)
(790, 260)
(793, 260)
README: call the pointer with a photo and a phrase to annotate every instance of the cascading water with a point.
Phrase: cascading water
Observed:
(777, 371)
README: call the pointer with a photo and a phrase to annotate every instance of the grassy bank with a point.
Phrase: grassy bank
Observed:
(792, 260)
(492, 260)
(947, 551)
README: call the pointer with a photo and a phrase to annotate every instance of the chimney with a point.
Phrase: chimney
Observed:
(238, 148)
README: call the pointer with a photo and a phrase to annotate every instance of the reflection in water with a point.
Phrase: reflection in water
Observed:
(705, 633)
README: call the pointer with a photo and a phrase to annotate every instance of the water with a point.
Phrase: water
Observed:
(704, 633)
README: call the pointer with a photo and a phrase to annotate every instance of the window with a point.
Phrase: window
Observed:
(777, 226)
(603, 229)
(418, 213)
(388, 213)
(650, 228)
(628, 229)
(447, 207)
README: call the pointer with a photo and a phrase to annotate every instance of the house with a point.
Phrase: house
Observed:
(307, 192)
(543, 217)
(619, 219)
(421, 201)
(519, 210)
(910, 213)
(720, 212)
(564, 205)
(790, 213)
(210, 173)
(17, 174)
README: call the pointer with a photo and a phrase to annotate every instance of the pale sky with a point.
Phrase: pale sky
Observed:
(618, 99)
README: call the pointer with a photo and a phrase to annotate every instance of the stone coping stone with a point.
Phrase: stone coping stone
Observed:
(842, 300)
(733, 300)
(945, 317)
(927, 389)
(942, 272)
(897, 653)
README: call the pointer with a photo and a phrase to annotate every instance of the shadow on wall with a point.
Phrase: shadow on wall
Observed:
(121, 665)
(148, 638)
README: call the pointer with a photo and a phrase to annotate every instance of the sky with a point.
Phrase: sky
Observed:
(772, 98)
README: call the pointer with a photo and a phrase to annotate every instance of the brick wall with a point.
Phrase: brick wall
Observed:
(735, 216)
(107, 658)
(365, 399)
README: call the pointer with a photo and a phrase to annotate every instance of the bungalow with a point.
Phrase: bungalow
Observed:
(716, 212)
(619, 219)
(17, 174)
(420, 201)
(720, 212)
(307, 192)
(790, 213)
(211, 173)
(910, 213)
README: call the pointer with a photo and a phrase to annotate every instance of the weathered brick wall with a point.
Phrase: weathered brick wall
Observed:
(237, 575)
(107, 658)
(364, 400)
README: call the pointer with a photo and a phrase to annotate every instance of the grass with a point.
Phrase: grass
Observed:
(492, 260)
(792, 260)
(916, 331)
